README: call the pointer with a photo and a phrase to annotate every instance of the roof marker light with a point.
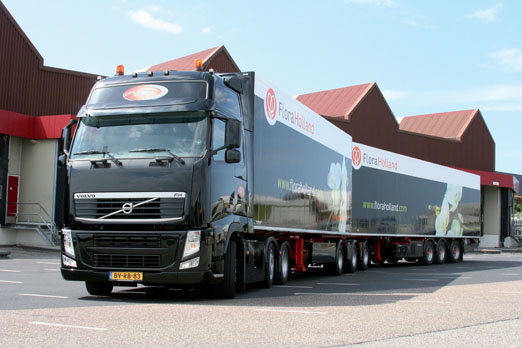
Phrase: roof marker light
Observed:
(150, 73)
(199, 65)
(120, 70)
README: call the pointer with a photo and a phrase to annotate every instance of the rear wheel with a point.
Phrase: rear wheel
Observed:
(427, 257)
(99, 288)
(227, 288)
(270, 266)
(284, 265)
(351, 265)
(336, 268)
(440, 252)
(455, 252)
(364, 261)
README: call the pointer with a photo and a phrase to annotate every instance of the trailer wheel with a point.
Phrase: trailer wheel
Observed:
(440, 252)
(227, 288)
(428, 255)
(284, 265)
(336, 268)
(455, 252)
(351, 265)
(99, 288)
(270, 266)
(364, 261)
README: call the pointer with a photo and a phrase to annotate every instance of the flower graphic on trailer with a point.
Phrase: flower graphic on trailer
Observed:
(338, 182)
(449, 205)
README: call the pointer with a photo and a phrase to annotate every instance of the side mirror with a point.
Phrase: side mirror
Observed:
(233, 134)
(232, 156)
(66, 136)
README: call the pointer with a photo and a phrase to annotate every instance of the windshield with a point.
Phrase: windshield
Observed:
(143, 135)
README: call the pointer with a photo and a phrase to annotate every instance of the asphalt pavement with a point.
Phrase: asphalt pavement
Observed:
(475, 303)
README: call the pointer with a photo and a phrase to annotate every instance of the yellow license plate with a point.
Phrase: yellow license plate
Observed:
(126, 276)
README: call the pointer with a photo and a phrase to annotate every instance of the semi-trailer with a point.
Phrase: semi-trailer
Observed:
(183, 178)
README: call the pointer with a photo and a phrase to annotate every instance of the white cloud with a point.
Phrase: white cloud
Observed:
(146, 20)
(488, 15)
(154, 8)
(508, 59)
(384, 3)
(394, 95)
(206, 30)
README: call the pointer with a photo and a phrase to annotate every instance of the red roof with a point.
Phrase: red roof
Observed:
(187, 63)
(496, 179)
(338, 102)
(447, 125)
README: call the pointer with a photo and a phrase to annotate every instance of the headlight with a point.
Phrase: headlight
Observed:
(68, 246)
(68, 262)
(192, 243)
(190, 263)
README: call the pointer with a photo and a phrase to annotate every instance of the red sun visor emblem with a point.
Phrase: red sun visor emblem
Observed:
(145, 92)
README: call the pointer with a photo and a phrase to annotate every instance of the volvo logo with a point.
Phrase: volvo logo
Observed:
(127, 208)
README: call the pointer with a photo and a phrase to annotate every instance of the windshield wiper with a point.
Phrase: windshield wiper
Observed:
(98, 152)
(176, 157)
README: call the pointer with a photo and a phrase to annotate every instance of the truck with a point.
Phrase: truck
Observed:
(188, 178)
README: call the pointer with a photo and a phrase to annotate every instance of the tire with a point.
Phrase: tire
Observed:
(270, 265)
(283, 272)
(351, 264)
(455, 252)
(429, 253)
(336, 268)
(440, 252)
(364, 260)
(99, 288)
(227, 288)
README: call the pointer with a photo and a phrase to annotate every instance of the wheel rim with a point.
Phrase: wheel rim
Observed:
(455, 251)
(366, 255)
(429, 252)
(340, 259)
(284, 263)
(442, 253)
(271, 263)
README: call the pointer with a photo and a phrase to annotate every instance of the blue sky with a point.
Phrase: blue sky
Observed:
(426, 56)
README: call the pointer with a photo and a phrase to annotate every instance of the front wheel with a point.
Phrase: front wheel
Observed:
(227, 288)
(99, 288)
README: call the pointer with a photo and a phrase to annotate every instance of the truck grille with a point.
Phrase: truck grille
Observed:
(118, 241)
(132, 261)
(121, 208)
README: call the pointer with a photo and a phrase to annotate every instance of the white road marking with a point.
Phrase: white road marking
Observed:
(52, 269)
(69, 326)
(352, 294)
(347, 284)
(510, 274)
(9, 270)
(293, 286)
(38, 295)
(10, 282)
(422, 280)
(287, 311)
(48, 263)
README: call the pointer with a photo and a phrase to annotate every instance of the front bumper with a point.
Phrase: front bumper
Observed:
(157, 255)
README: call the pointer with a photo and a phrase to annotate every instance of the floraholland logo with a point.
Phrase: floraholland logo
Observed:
(271, 106)
(356, 157)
